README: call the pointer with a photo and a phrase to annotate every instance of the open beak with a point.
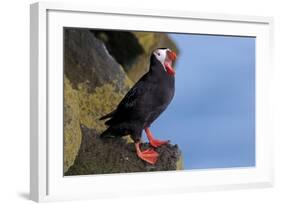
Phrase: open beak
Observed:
(168, 64)
(172, 55)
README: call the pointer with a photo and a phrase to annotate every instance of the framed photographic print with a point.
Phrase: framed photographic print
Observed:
(128, 102)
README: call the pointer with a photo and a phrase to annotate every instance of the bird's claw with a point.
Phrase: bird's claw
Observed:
(149, 156)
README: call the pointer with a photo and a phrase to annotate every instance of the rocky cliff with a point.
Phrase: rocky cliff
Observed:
(99, 68)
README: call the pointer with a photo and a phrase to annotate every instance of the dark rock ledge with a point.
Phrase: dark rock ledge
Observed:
(97, 156)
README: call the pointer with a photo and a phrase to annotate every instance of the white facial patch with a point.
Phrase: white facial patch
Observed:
(160, 54)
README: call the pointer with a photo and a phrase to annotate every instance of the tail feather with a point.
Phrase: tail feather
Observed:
(109, 115)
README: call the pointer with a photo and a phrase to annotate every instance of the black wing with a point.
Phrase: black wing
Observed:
(129, 104)
(133, 95)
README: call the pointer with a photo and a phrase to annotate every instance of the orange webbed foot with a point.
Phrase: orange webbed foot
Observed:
(148, 155)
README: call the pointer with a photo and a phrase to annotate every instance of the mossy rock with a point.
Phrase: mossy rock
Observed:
(94, 84)
(81, 106)
(116, 155)
(72, 133)
(93, 105)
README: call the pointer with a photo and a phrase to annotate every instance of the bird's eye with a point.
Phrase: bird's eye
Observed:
(158, 54)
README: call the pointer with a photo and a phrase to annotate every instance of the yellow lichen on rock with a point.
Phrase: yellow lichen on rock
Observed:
(94, 105)
(103, 100)
(147, 40)
(179, 164)
(72, 132)
(84, 107)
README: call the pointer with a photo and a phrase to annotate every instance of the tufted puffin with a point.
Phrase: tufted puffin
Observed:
(143, 103)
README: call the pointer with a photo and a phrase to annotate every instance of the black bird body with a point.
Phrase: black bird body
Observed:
(143, 103)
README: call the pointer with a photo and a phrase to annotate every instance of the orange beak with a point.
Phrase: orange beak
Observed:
(172, 55)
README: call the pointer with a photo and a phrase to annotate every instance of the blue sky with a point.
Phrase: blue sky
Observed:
(212, 116)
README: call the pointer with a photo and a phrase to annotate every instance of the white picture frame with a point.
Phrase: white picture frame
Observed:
(47, 182)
